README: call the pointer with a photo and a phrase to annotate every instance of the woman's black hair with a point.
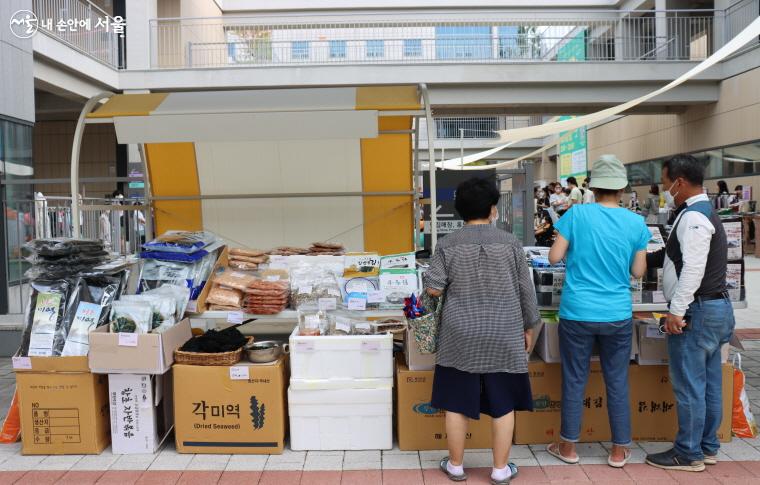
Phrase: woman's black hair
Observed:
(475, 197)
(654, 189)
(722, 187)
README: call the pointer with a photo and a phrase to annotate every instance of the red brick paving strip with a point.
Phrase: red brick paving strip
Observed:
(733, 473)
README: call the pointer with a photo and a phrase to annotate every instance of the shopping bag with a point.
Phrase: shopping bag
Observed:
(425, 328)
(12, 425)
(742, 422)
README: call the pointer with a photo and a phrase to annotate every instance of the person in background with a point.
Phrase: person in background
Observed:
(558, 200)
(543, 199)
(633, 204)
(588, 195)
(736, 200)
(489, 311)
(723, 188)
(652, 205)
(604, 245)
(545, 231)
(700, 319)
(576, 195)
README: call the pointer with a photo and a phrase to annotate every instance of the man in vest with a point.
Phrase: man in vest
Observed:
(700, 318)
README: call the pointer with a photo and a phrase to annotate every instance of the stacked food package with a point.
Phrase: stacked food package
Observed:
(247, 259)
(254, 293)
(326, 249)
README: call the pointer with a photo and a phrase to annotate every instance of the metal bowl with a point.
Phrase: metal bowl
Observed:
(264, 351)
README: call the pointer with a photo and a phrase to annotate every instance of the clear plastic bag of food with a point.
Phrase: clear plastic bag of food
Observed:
(131, 317)
(164, 307)
(312, 323)
(180, 294)
(220, 295)
(234, 279)
(313, 287)
(340, 325)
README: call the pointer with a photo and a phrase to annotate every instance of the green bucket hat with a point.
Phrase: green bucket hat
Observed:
(608, 173)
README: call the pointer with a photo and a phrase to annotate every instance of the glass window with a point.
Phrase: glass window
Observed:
(638, 173)
(299, 49)
(412, 47)
(508, 43)
(463, 42)
(375, 48)
(338, 49)
(713, 162)
(742, 160)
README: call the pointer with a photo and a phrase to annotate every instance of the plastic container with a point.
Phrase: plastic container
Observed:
(341, 419)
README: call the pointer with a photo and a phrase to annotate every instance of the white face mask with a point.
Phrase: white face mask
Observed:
(670, 199)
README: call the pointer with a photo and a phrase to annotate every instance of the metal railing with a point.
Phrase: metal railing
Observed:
(570, 36)
(738, 16)
(479, 127)
(85, 27)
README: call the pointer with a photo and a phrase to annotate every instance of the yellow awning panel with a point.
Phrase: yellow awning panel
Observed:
(129, 105)
(387, 98)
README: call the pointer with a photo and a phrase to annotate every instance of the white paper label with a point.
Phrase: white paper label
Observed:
(127, 339)
(192, 306)
(305, 290)
(654, 332)
(357, 304)
(375, 296)
(658, 297)
(326, 304)
(41, 344)
(239, 372)
(235, 317)
(343, 324)
(273, 277)
(304, 346)
(370, 346)
(22, 363)
(333, 291)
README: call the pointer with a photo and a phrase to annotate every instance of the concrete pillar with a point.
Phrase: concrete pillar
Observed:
(623, 45)
(139, 15)
(661, 29)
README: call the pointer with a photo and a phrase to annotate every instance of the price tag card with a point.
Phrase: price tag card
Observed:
(305, 290)
(235, 317)
(239, 372)
(127, 339)
(22, 363)
(359, 304)
(370, 346)
(343, 325)
(375, 296)
(304, 347)
(326, 304)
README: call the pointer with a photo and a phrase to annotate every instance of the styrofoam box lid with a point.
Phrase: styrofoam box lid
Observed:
(338, 383)
(340, 342)
(349, 397)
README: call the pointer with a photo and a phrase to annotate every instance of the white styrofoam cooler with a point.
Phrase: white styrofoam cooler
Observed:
(341, 419)
(341, 358)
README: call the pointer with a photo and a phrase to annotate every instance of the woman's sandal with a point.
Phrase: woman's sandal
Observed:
(619, 464)
(553, 449)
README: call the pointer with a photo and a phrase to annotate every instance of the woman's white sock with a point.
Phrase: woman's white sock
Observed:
(454, 470)
(499, 474)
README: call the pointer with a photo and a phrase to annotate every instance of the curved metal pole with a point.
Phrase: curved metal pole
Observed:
(431, 168)
(76, 148)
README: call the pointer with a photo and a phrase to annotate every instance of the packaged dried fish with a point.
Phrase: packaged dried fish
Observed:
(225, 296)
(234, 279)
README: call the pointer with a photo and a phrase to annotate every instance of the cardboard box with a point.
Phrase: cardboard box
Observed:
(63, 407)
(141, 412)
(199, 305)
(414, 359)
(422, 427)
(653, 405)
(230, 409)
(543, 424)
(153, 354)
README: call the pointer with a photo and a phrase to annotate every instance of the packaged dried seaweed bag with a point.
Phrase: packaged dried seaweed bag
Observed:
(44, 313)
(164, 307)
(131, 317)
(86, 318)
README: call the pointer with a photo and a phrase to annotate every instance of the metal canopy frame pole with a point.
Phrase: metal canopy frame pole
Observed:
(526, 169)
(431, 167)
(147, 193)
(415, 182)
(76, 148)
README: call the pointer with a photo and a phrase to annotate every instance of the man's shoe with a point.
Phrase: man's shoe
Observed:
(671, 460)
(711, 459)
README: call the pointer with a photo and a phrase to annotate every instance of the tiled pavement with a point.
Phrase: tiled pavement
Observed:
(740, 459)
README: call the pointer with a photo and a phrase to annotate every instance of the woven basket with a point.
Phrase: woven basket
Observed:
(200, 358)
